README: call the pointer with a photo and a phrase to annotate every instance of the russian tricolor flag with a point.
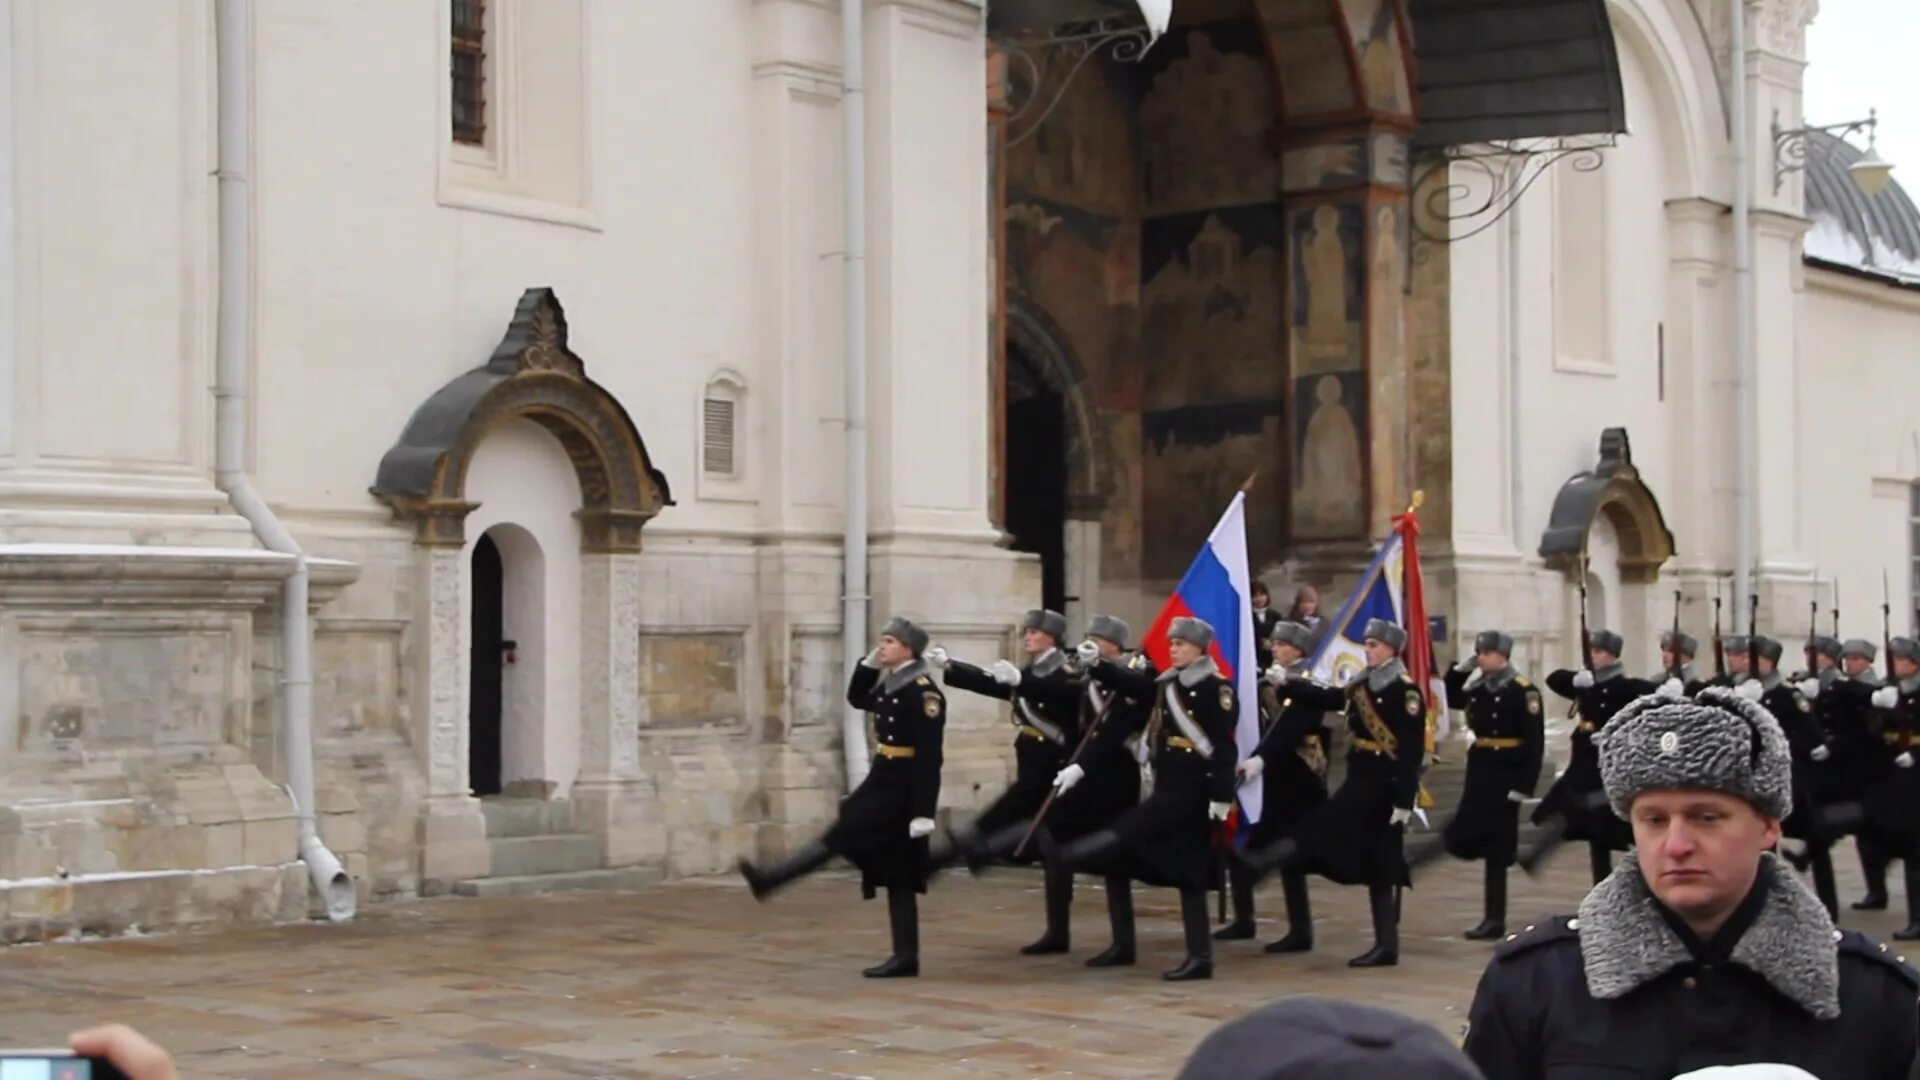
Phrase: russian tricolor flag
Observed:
(1219, 589)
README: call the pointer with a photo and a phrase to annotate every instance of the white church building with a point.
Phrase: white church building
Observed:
(425, 427)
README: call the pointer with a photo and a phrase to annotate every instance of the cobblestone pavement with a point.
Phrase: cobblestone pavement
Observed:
(693, 979)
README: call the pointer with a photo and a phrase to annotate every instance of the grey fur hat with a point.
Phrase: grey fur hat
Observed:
(1607, 641)
(1382, 630)
(1718, 741)
(1493, 641)
(1318, 1038)
(1764, 647)
(1111, 628)
(906, 633)
(1047, 622)
(1680, 642)
(1825, 646)
(1294, 634)
(1905, 648)
(1735, 643)
(1192, 631)
(1860, 647)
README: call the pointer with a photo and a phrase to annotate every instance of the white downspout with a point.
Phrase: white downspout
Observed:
(1742, 316)
(233, 49)
(1515, 406)
(853, 616)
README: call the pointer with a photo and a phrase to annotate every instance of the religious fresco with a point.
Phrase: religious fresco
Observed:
(1387, 354)
(1330, 392)
(1211, 315)
(1207, 120)
(1372, 26)
(1084, 153)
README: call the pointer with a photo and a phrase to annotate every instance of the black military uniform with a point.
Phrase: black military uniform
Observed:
(1576, 804)
(1292, 768)
(1169, 838)
(1509, 743)
(908, 716)
(1810, 752)
(1358, 837)
(1102, 781)
(1844, 706)
(1046, 706)
(1892, 801)
(1630, 988)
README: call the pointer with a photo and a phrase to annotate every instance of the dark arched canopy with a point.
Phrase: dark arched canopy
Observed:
(1612, 488)
(533, 375)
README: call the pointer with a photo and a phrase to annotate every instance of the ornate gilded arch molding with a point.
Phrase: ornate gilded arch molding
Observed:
(1612, 488)
(533, 375)
(1088, 450)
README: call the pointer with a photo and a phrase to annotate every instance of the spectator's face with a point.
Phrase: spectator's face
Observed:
(1378, 652)
(1183, 652)
(1490, 661)
(1261, 600)
(1035, 641)
(1307, 602)
(1285, 655)
(1699, 850)
(893, 651)
(1856, 666)
(1602, 658)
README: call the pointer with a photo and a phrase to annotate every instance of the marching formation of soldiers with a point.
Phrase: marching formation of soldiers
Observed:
(1129, 774)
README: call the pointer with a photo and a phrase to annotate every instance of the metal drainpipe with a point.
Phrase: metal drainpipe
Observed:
(1742, 315)
(1515, 411)
(853, 616)
(233, 48)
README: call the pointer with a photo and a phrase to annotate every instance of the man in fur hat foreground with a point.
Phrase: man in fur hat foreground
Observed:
(1700, 948)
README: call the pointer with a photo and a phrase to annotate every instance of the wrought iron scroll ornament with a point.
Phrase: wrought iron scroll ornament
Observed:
(1790, 147)
(1496, 177)
(1033, 90)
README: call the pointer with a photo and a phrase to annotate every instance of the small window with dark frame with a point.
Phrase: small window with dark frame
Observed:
(470, 71)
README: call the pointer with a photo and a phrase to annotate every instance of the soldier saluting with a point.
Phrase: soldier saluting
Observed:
(884, 824)
(1359, 835)
(1046, 705)
(1290, 764)
(1503, 767)
(1167, 840)
(1576, 804)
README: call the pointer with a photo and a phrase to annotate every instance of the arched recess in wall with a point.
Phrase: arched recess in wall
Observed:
(1676, 57)
(1609, 515)
(1089, 456)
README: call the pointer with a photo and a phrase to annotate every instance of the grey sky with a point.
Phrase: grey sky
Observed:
(1860, 56)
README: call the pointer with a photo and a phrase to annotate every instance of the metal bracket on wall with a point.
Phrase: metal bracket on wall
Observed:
(1496, 176)
(1033, 89)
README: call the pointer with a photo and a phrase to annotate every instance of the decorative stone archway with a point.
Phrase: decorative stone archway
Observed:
(532, 375)
(1606, 526)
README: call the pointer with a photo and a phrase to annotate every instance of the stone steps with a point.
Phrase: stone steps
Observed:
(520, 856)
(628, 877)
(510, 818)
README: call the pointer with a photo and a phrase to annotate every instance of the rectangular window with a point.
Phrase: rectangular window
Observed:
(719, 437)
(470, 71)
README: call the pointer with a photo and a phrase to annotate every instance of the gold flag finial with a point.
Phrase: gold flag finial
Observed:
(1247, 484)
(1418, 498)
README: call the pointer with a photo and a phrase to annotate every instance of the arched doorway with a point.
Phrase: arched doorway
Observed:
(484, 676)
(1036, 463)
(534, 384)
(1606, 527)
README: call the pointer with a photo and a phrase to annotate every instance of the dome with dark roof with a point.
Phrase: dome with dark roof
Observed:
(1878, 234)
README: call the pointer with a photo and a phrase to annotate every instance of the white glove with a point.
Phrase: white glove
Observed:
(1516, 797)
(872, 659)
(1218, 810)
(1064, 780)
(1886, 697)
(1751, 690)
(1276, 676)
(1905, 761)
(1463, 666)
(919, 827)
(1400, 816)
(1809, 688)
(1673, 688)
(937, 656)
(1251, 768)
(1582, 679)
(1088, 652)
(1819, 753)
(1762, 1071)
(1005, 673)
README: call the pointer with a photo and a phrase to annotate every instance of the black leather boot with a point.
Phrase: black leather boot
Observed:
(1193, 916)
(1386, 929)
(1495, 924)
(1601, 857)
(1240, 884)
(904, 915)
(763, 882)
(1120, 912)
(1059, 889)
(1089, 849)
(1912, 932)
(1299, 915)
(1873, 867)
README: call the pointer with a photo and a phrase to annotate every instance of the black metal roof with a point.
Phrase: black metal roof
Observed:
(1514, 69)
(1879, 233)
(1014, 16)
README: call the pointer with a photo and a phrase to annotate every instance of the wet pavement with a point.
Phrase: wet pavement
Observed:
(694, 979)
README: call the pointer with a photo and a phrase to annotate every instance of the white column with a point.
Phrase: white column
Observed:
(611, 796)
(453, 835)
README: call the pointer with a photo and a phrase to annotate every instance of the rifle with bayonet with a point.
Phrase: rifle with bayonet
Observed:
(1719, 641)
(1679, 665)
